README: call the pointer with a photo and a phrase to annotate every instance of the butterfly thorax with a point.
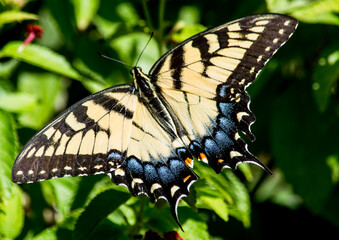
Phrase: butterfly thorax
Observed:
(149, 96)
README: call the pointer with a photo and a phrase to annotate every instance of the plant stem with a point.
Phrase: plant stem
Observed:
(161, 26)
(147, 15)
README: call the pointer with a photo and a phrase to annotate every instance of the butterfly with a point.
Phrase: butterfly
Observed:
(145, 135)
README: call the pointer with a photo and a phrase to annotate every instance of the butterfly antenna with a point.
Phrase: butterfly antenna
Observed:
(113, 59)
(144, 48)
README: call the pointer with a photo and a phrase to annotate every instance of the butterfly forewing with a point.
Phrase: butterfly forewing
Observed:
(203, 82)
(91, 137)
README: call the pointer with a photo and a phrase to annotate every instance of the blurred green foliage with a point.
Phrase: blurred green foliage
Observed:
(295, 101)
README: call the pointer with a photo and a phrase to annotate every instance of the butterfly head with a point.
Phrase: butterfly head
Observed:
(140, 80)
(136, 72)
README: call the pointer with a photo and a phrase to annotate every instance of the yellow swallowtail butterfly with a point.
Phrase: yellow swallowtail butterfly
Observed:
(145, 135)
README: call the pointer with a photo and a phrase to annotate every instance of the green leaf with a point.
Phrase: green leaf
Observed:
(61, 193)
(127, 13)
(325, 75)
(6, 68)
(12, 214)
(226, 187)
(41, 57)
(17, 102)
(218, 205)
(105, 27)
(183, 31)
(324, 11)
(15, 16)
(98, 210)
(48, 233)
(85, 10)
(284, 6)
(189, 14)
(63, 14)
(276, 189)
(11, 208)
(129, 48)
(241, 209)
(194, 227)
(8, 151)
(333, 162)
(49, 93)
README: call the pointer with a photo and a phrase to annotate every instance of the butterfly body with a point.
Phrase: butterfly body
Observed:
(145, 135)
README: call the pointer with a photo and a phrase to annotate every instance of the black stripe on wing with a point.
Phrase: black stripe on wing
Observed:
(218, 64)
(77, 142)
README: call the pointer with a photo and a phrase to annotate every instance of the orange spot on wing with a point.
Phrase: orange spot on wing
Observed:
(203, 157)
(189, 162)
(186, 178)
(220, 160)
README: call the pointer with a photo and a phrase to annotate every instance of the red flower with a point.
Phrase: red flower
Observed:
(32, 31)
(171, 235)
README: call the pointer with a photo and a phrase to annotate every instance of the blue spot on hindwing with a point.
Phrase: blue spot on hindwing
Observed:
(223, 91)
(211, 148)
(223, 140)
(135, 167)
(115, 156)
(226, 124)
(177, 167)
(151, 175)
(227, 109)
(166, 175)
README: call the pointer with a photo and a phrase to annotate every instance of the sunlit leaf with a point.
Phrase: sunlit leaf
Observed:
(41, 57)
(105, 27)
(127, 13)
(8, 151)
(11, 208)
(194, 227)
(49, 93)
(16, 16)
(17, 102)
(48, 233)
(226, 187)
(12, 214)
(318, 12)
(218, 205)
(324, 11)
(333, 163)
(183, 31)
(85, 10)
(189, 14)
(129, 48)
